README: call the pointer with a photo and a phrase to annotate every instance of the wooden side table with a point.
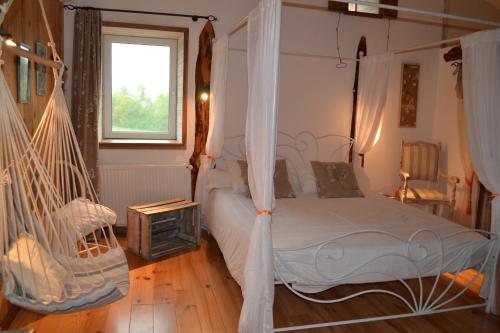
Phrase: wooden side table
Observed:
(163, 229)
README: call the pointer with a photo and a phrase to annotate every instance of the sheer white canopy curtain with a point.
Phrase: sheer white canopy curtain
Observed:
(215, 138)
(263, 45)
(481, 87)
(372, 92)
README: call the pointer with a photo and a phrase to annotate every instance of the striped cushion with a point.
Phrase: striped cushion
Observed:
(420, 160)
(426, 194)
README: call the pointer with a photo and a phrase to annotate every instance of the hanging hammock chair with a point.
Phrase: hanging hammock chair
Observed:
(51, 256)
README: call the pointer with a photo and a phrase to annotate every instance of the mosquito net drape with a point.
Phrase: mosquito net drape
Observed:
(481, 87)
(373, 82)
(215, 139)
(263, 46)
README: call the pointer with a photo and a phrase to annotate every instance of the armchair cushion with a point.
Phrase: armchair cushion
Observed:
(425, 194)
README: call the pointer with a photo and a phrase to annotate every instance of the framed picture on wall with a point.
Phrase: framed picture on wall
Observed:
(23, 76)
(409, 95)
(41, 71)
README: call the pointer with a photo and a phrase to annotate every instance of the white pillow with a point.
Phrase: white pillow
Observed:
(237, 182)
(86, 216)
(307, 179)
(293, 177)
(27, 260)
(218, 179)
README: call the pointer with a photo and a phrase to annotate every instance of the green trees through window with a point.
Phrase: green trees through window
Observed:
(139, 113)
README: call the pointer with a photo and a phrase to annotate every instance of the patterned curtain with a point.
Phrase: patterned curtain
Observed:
(86, 86)
(202, 83)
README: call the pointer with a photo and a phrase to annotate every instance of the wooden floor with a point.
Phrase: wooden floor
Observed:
(194, 293)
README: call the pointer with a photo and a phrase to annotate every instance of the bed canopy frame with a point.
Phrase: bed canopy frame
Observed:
(53, 260)
(260, 144)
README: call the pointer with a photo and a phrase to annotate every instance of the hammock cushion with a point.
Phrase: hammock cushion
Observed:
(87, 216)
(30, 262)
(96, 281)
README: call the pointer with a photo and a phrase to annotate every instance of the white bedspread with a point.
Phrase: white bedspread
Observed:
(302, 224)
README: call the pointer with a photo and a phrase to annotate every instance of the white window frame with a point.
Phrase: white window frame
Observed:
(144, 36)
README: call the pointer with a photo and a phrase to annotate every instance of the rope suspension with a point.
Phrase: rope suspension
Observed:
(53, 259)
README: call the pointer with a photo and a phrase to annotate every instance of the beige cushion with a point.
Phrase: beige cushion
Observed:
(35, 270)
(420, 160)
(335, 180)
(282, 186)
(425, 194)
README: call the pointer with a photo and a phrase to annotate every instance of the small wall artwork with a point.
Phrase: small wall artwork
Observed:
(409, 95)
(41, 71)
(23, 76)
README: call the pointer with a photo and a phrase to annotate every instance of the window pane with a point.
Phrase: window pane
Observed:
(140, 87)
(364, 8)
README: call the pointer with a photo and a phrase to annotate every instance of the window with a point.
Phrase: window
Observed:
(365, 10)
(143, 85)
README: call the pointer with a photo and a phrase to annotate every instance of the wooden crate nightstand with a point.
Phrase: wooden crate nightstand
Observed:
(163, 229)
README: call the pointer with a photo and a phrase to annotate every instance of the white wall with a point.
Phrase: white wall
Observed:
(314, 94)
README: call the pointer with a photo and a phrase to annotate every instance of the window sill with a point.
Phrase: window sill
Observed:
(140, 144)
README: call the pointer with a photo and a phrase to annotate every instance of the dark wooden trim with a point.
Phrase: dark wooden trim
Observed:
(389, 13)
(361, 49)
(184, 87)
(144, 26)
(139, 144)
(151, 145)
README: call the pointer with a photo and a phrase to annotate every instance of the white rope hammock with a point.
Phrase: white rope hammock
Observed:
(51, 256)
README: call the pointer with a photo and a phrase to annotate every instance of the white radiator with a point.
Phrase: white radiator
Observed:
(125, 185)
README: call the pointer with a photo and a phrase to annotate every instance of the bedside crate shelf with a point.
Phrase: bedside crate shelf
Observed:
(163, 229)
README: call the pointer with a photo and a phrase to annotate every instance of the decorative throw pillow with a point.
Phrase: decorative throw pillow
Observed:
(335, 180)
(307, 179)
(282, 186)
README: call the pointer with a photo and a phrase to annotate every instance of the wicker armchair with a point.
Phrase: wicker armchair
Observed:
(420, 161)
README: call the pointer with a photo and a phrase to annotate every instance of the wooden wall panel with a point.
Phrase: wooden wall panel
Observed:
(25, 22)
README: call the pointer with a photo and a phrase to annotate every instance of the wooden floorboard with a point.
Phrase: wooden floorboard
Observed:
(194, 292)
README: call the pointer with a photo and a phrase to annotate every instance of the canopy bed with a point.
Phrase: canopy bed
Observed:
(311, 244)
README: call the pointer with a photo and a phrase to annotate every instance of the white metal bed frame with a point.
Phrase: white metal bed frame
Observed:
(304, 147)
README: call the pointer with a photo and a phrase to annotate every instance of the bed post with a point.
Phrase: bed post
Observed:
(361, 51)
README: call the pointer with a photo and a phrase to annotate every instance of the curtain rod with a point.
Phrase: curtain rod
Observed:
(452, 41)
(238, 27)
(421, 11)
(297, 54)
(194, 17)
